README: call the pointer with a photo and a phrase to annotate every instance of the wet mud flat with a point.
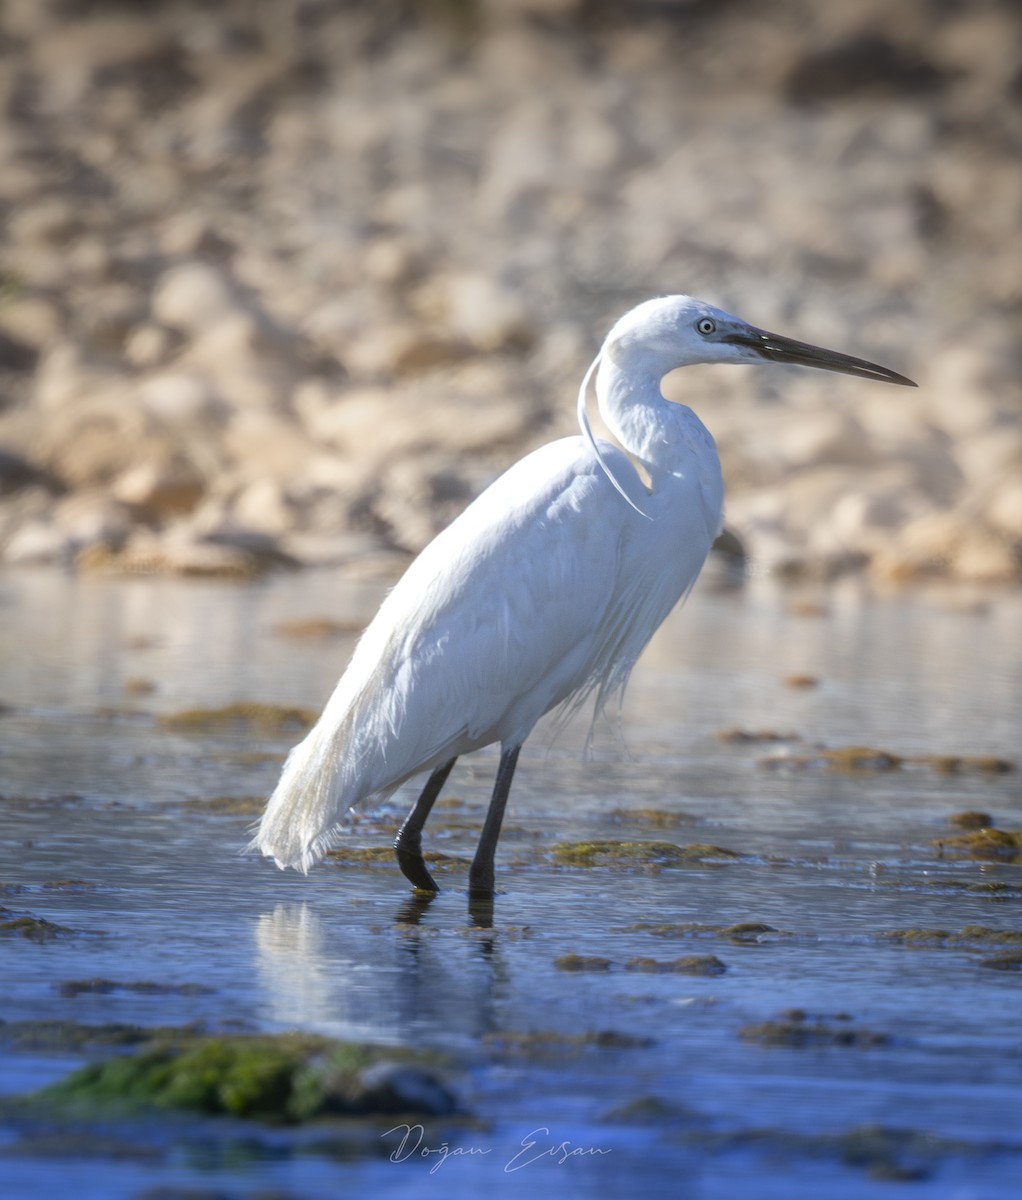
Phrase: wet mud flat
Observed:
(766, 941)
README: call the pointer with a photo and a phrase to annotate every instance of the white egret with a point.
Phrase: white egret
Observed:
(545, 590)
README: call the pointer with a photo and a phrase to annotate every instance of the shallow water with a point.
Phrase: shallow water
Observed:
(96, 791)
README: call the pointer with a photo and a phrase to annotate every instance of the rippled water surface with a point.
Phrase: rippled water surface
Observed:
(107, 830)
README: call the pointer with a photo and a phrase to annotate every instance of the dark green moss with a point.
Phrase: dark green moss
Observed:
(282, 1079)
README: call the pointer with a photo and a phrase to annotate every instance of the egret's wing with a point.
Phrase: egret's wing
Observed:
(495, 622)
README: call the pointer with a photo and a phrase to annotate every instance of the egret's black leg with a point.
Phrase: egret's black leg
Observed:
(480, 876)
(408, 843)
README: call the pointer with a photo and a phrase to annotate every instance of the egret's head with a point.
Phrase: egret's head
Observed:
(677, 331)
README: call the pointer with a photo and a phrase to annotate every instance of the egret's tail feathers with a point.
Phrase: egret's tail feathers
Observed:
(303, 816)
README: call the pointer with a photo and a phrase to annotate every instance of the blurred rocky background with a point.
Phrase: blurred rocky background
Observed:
(290, 281)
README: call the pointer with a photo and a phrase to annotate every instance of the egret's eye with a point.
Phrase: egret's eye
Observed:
(706, 326)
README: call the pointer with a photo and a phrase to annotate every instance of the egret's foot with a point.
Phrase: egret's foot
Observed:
(413, 865)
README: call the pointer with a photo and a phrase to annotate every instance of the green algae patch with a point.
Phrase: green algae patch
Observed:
(284, 1079)
(383, 856)
(797, 1028)
(582, 962)
(690, 964)
(1004, 845)
(635, 854)
(241, 716)
(970, 935)
(33, 929)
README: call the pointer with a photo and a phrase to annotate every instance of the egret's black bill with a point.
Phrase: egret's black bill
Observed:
(775, 348)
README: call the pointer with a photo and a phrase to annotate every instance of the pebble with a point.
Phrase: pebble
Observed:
(192, 297)
(157, 491)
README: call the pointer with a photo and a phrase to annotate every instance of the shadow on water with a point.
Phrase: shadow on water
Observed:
(714, 966)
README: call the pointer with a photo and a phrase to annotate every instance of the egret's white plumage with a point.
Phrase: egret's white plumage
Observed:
(546, 588)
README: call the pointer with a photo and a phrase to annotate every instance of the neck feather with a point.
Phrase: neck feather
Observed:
(634, 410)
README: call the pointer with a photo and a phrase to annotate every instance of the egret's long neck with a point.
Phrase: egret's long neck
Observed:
(635, 412)
(668, 439)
